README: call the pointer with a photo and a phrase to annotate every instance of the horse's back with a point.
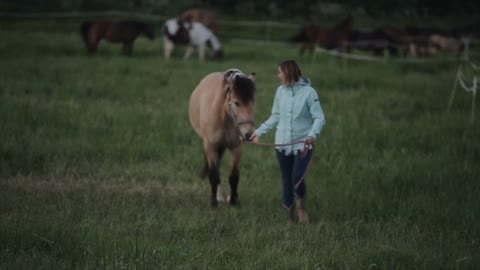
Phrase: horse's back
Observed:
(202, 109)
(99, 28)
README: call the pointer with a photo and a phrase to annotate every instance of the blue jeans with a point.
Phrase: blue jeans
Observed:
(293, 167)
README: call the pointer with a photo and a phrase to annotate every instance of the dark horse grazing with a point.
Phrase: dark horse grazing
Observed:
(221, 112)
(328, 38)
(118, 32)
(375, 41)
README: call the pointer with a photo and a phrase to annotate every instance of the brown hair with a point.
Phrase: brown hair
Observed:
(291, 71)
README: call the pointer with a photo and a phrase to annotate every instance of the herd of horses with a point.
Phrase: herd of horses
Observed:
(195, 28)
(198, 28)
(396, 41)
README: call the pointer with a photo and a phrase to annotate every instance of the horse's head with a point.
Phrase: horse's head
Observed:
(241, 101)
(217, 55)
(214, 44)
(177, 31)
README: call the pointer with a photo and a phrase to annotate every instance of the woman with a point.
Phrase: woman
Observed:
(296, 115)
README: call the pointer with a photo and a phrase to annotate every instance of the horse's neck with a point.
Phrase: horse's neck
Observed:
(215, 42)
(200, 34)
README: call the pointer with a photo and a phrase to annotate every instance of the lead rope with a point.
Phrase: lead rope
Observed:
(288, 144)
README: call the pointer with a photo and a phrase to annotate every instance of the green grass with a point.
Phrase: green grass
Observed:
(99, 164)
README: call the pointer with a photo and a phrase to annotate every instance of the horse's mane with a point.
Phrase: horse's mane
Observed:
(244, 88)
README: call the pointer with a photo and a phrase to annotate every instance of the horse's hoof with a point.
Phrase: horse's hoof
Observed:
(232, 200)
(214, 203)
(220, 196)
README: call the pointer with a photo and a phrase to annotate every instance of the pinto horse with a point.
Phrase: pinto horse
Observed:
(221, 112)
(124, 32)
(328, 38)
(205, 16)
(192, 34)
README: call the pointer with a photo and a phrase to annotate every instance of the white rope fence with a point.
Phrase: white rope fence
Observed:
(464, 56)
(460, 78)
(475, 67)
(362, 57)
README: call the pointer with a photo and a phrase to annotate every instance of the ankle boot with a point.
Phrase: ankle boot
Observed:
(290, 212)
(302, 211)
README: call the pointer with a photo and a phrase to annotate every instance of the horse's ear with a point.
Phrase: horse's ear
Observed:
(228, 82)
(252, 76)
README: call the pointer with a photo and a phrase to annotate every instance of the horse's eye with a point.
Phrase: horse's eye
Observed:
(237, 103)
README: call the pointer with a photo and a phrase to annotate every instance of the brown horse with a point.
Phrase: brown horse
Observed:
(221, 112)
(205, 16)
(117, 32)
(328, 38)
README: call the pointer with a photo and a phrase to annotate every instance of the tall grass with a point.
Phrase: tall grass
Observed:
(99, 165)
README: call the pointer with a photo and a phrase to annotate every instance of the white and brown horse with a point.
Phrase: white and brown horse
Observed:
(192, 34)
(221, 112)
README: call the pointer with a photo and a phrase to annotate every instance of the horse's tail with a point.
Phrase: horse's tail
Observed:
(84, 31)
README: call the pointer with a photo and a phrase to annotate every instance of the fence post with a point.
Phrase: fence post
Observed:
(452, 94)
(474, 89)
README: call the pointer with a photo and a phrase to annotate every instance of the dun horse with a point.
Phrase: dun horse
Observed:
(193, 34)
(124, 32)
(221, 112)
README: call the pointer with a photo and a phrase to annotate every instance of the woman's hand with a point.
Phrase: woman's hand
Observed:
(308, 141)
(254, 138)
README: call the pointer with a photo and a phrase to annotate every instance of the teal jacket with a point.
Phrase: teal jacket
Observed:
(296, 114)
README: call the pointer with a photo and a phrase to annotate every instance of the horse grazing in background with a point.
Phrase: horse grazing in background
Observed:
(375, 41)
(205, 16)
(192, 34)
(124, 32)
(402, 39)
(448, 44)
(221, 112)
(313, 35)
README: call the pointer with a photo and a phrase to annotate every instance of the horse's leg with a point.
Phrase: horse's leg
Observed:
(201, 53)
(188, 52)
(302, 49)
(220, 194)
(311, 48)
(235, 174)
(92, 46)
(213, 172)
(93, 42)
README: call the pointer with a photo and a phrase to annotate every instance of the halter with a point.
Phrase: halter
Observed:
(232, 74)
(232, 114)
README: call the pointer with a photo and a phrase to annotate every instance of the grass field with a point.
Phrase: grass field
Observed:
(99, 165)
